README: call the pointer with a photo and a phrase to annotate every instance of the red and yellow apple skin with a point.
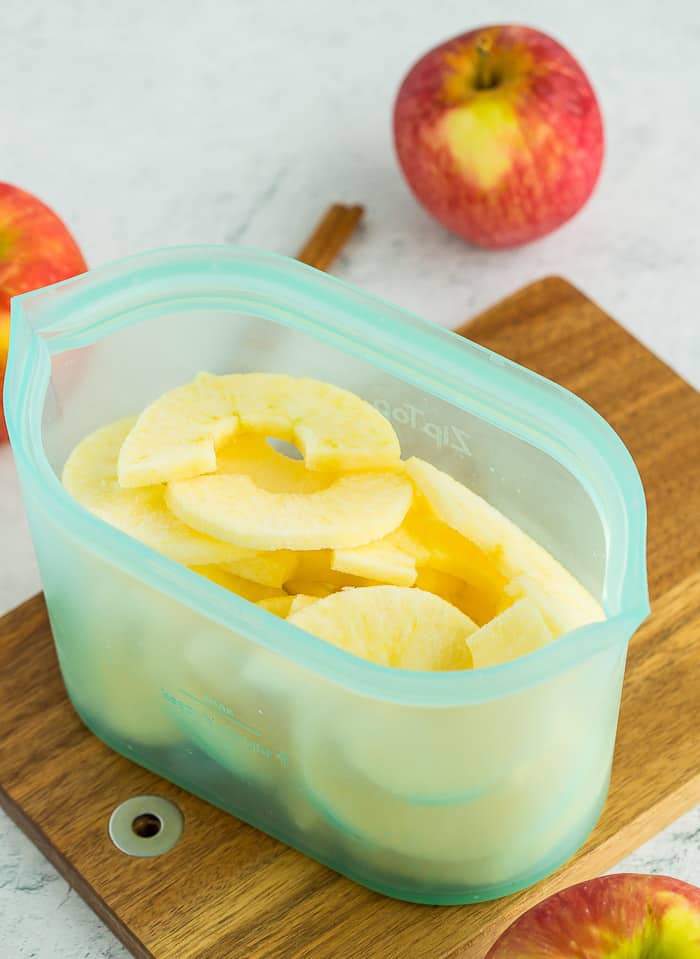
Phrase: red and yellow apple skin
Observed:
(499, 135)
(626, 916)
(36, 249)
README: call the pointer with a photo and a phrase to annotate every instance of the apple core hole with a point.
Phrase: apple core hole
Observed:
(285, 448)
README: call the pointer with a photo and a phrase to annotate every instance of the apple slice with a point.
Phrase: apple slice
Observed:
(267, 568)
(354, 510)
(518, 630)
(559, 613)
(285, 605)
(279, 605)
(315, 565)
(439, 551)
(515, 553)
(301, 601)
(178, 435)
(90, 475)
(310, 587)
(379, 561)
(253, 592)
(393, 626)
(436, 545)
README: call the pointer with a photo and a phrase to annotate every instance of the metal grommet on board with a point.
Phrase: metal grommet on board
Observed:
(146, 826)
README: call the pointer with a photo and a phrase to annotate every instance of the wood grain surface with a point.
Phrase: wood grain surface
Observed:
(227, 891)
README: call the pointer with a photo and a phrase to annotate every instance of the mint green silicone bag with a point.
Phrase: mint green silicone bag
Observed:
(433, 787)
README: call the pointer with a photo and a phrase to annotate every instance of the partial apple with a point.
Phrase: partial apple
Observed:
(499, 135)
(36, 249)
(627, 916)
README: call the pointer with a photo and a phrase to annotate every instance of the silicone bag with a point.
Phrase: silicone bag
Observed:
(433, 787)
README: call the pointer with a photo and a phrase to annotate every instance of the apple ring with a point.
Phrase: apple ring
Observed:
(178, 435)
(353, 510)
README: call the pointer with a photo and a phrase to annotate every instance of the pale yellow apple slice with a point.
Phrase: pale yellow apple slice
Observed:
(310, 587)
(354, 510)
(272, 568)
(253, 592)
(559, 612)
(518, 630)
(279, 605)
(425, 542)
(90, 475)
(315, 566)
(424, 551)
(285, 605)
(178, 435)
(301, 601)
(393, 626)
(437, 545)
(492, 832)
(380, 561)
(514, 551)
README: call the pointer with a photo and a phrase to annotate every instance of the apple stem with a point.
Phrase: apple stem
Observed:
(484, 78)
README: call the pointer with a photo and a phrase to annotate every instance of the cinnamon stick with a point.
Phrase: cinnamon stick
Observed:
(330, 235)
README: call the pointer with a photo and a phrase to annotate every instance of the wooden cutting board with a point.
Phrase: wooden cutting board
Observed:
(227, 891)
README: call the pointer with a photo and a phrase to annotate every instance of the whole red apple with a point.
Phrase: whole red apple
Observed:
(626, 916)
(499, 135)
(36, 249)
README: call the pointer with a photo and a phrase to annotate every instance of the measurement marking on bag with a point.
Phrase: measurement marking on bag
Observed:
(213, 712)
(209, 702)
(443, 435)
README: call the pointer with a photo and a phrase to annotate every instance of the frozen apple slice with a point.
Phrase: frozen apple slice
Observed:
(518, 630)
(396, 626)
(301, 601)
(315, 565)
(178, 435)
(279, 605)
(236, 584)
(425, 542)
(514, 551)
(310, 587)
(439, 546)
(380, 561)
(267, 568)
(560, 613)
(354, 510)
(286, 605)
(335, 429)
(90, 475)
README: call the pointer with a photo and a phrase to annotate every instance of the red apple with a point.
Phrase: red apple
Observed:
(499, 135)
(36, 249)
(625, 916)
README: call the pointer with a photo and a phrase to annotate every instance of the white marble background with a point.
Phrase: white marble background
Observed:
(154, 122)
